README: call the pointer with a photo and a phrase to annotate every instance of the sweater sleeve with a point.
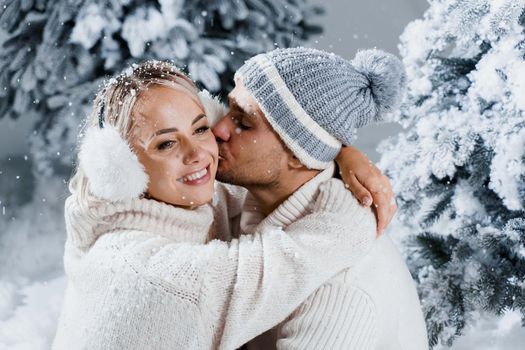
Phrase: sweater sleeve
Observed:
(334, 317)
(227, 207)
(250, 284)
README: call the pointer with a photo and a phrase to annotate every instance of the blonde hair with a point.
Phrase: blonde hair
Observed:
(117, 100)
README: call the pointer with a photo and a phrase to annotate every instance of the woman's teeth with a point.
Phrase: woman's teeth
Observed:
(196, 175)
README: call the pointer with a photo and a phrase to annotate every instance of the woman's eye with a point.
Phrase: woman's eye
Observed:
(165, 145)
(202, 129)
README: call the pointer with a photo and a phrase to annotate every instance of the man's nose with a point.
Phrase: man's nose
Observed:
(222, 130)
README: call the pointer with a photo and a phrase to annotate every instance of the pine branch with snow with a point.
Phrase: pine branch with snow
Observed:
(459, 168)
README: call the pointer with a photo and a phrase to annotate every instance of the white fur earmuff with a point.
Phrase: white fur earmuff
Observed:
(113, 170)
(213, 107)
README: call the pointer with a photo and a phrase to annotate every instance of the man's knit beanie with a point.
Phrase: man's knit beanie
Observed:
(315, 100)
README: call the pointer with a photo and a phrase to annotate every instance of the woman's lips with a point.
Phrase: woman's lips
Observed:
(197, 181)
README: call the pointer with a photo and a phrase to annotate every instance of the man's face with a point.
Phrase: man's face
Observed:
(251, 153)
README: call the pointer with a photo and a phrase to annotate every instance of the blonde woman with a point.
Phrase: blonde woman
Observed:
(144, 270)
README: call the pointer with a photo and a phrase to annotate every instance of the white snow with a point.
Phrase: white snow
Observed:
(32, 280)
(490, 332)
(465, 203)
(89, 27)
(508, 169)
(143, 26)
(32, 321)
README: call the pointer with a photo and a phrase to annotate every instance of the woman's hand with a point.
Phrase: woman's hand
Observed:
(368, 185)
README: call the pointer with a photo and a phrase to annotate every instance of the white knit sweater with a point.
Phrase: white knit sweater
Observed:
(374, 305)
(141, 276)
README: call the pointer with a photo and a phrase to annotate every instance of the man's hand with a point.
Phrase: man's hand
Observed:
(368, 185)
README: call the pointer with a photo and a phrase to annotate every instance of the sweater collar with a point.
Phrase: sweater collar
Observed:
(85, 225)
(291, 210)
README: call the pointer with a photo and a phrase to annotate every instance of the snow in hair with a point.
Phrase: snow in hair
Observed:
(113, 170)
(387, 78)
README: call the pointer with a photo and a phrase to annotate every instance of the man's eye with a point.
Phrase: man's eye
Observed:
(241, 124)
(202, 129)
(165, 145)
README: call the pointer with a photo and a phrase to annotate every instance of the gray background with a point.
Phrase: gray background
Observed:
(348, 26)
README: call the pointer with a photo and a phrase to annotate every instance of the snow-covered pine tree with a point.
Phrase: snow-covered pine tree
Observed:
(56, 52)
(459, 168)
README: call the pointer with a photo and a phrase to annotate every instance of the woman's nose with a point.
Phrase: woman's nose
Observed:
(222, 130)
(193, 153)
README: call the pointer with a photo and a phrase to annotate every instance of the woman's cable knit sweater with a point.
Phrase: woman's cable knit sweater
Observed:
(372, 306)
(141, 276)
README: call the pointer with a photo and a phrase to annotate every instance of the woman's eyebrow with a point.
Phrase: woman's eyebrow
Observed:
(163, 131)
(168, 130)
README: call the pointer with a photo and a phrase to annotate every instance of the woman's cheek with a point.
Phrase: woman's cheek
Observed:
(212, 147)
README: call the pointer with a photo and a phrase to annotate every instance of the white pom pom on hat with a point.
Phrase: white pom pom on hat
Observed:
(114, 172)
(387, 78)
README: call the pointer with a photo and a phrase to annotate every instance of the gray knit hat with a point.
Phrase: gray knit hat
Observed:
(315, 100)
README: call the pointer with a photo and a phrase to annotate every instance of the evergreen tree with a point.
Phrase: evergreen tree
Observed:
(459, 168)
(57, 52)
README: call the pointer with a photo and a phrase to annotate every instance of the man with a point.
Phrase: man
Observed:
(290, 112)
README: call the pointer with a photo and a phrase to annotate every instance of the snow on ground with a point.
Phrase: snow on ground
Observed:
(31, 321)
(493, 333)
(32, 280)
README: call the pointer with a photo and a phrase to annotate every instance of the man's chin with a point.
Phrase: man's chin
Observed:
(223, 176)
(226, 176)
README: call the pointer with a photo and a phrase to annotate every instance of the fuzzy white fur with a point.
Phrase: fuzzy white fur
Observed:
(113, 170)
(387, 77)
(213, 107)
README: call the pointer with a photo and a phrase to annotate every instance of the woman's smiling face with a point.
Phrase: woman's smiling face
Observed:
(174, 143)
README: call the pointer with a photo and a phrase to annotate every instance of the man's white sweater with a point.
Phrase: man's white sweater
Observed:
(373, 305)
(141, 275)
